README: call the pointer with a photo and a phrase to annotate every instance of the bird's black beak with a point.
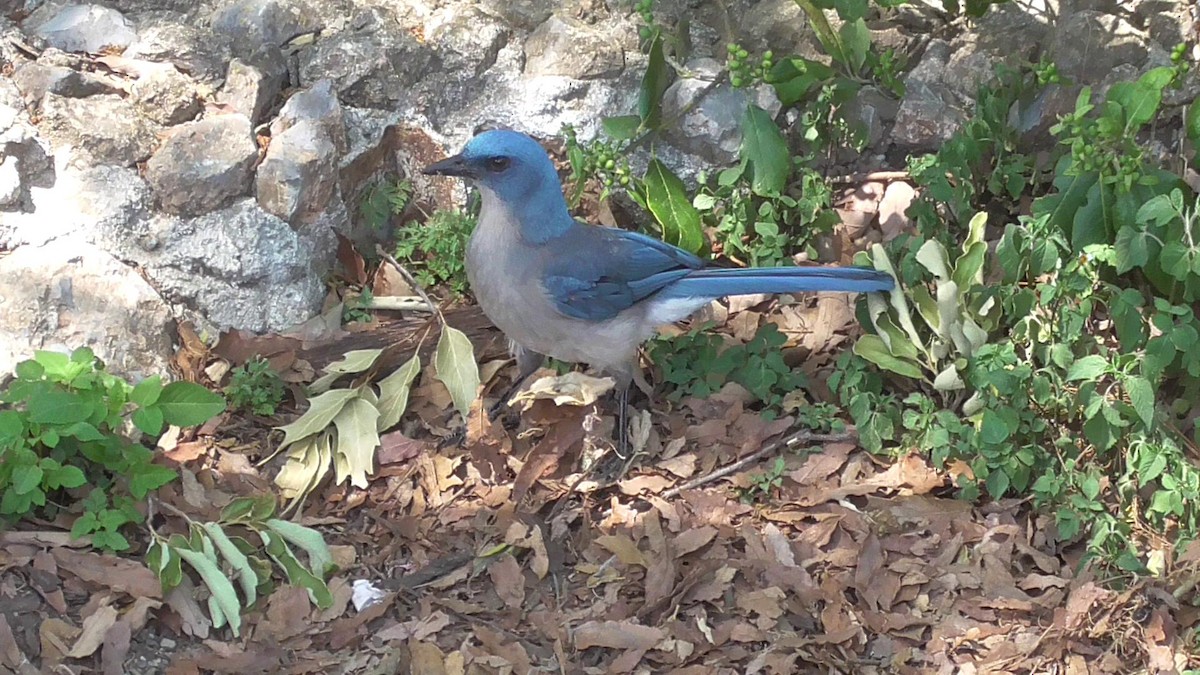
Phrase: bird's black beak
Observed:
(451, 166)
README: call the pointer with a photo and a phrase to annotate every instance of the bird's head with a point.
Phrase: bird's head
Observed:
(508, 164)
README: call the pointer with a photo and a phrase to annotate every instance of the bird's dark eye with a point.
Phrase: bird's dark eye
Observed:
(497, 164)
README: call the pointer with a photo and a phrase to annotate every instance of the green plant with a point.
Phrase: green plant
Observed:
(981, 167)
(64, 432)
(1104, 180)
(222, 555)
(765, 484)
(699, 364)
(435, 249)
(358, 308)
(256, 387)
(384, 199)
(341, 427)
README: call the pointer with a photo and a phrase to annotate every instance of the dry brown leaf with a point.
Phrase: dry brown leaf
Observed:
(508, 579)
(660, 573)
(287, 613)
(10, 652)
(623, 547)
(652, 483)
(55, 636)
(427, 658)
(116, 648)
(396, 448)
(531, 538)
(626, 634)
(573, 388)
(119, 574)
(92, 634)
(683, 466)
(693, 540)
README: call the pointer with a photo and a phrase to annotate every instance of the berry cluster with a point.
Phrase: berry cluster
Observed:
(743, 73)
(645, 9)
(603, 158)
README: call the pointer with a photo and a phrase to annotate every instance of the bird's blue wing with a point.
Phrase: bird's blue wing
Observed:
(598, 272)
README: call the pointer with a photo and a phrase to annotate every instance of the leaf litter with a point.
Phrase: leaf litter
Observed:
(464, 544)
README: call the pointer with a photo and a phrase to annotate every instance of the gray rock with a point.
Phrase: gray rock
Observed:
(97, 130)
(250, 25)
(107, 205)
(248, 90)
(571, 48)
(873, 109)
(711, 127)
(35, 80)
(171, 39)
(203, 165)
(299, 173)
(10, 182)
(241, 267)
(931, 110)
(521, 14)
(778, 25)
(319, 104)
(166, 96)
(467, 42)
(70, 294)
(366, 69)
(1088, 45)
(86, 28)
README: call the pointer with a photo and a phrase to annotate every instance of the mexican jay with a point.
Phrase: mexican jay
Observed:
(583, 293)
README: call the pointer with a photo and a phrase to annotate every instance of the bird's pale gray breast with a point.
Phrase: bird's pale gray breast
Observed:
(506, 277)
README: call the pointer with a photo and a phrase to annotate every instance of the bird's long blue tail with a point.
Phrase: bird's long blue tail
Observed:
(720, 282)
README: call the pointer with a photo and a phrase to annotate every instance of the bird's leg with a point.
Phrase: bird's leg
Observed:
(623, 422)
(527, 362)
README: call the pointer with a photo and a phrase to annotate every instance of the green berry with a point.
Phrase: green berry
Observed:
(624, 180)
(610, 164)
(768, 55)
(736, 81)
(734, 64)
(732, 48)
(742, 53)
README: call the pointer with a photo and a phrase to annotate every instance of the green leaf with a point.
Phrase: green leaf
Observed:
(147, 391)
(766, 152)
(357, 438)
(243, 571)
(223, 594)
(1132, 248)
(149, 420)
(318, 592)
(393, 393)
(1140, 99)
(622, 127)
(655, 81)
(81, 431)
(994, 429)
(187, 404)
(321, 411)
(794, 77)
(856, 41)
(669, 203)
(66, 477)
(26, 478)
(57, 364)
(146, 477)
(320, 560)
(1141, 396)
(872, 348)
(454, 364)
(1192, 124)
(58, 407)
(1088, 368)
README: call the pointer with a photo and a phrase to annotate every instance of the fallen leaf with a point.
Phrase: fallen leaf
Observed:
(119, 574)
(573, 388)
(92, 634)
(623, 547)
(116, 648)
(508, 579)
(626, 634)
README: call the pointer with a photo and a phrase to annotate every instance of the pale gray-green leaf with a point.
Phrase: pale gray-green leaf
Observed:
(246, 576)
(357, 439)
(321, 411)
(320, 559)
(394, 392)
(223, 593)
(455, 366)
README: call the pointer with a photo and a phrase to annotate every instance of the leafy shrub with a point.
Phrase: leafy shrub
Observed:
(254, 386)
(435, 249)
(65, 430)
(700, 363)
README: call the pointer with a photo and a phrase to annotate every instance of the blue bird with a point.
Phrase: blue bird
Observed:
(584, 293)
